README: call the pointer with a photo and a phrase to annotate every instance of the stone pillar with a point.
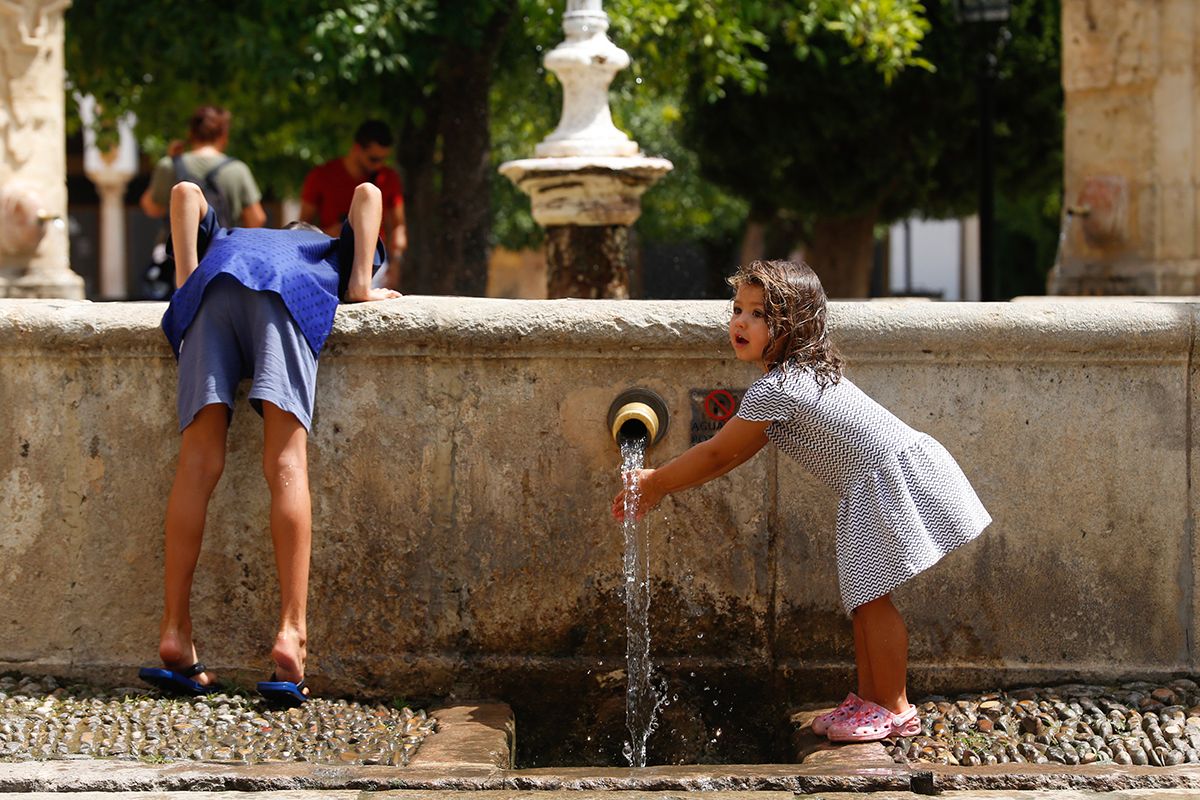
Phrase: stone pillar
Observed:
(1131, 156)
(34, 259)
(110, 171)
(588, 261)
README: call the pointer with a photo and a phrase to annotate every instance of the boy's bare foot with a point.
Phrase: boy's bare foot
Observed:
(289, 654)
(178, 652)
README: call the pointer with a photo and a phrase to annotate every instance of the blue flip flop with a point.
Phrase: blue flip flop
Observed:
(177, 681)
(284, 693)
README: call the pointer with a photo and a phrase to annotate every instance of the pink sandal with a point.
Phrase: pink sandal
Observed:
(872, 722)
(848, 706)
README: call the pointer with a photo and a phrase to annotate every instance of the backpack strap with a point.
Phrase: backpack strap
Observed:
(182, 173)
(216, 196)
(211, 175)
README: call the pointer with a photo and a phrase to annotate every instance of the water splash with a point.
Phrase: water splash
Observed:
(642, 698)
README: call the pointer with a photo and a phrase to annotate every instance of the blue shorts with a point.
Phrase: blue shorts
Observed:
(240, 333)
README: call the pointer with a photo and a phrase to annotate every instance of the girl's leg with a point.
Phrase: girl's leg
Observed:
(201, 460)
(885, 640)
(862, 663)
(285, 465)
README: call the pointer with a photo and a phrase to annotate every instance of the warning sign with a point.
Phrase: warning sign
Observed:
(719, 405)
(710, 409)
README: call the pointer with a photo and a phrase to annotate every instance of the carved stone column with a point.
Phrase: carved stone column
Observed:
(586, 183)
(110, 171)
(34, 257)
(1131, 148)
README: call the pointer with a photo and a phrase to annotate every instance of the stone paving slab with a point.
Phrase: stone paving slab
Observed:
(1059, 794)
(1065, 794)
(1094, 777)
(469, 736)
(415, 795)
(814, 749)
(77, 776)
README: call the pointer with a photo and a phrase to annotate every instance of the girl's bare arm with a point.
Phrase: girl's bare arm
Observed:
(733, 445)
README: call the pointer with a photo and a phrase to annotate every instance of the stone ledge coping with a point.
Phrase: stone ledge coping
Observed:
(460, 327)
(557, 165)
(107, 776)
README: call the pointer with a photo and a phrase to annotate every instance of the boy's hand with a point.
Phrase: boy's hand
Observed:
(372, 294)
(649, 495)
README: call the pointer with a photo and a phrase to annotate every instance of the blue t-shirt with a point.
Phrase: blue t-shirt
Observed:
(308, 269)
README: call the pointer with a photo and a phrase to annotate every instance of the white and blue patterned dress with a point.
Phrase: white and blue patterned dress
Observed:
(905, 502)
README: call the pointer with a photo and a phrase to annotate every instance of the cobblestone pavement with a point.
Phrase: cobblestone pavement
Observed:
(1135, 723)
(41, 719)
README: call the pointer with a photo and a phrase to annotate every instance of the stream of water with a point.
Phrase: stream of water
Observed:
(641, 698)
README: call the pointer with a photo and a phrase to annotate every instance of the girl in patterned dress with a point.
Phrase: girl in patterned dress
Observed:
(904, 502)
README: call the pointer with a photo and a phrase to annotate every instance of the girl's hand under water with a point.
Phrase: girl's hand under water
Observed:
(648, 495)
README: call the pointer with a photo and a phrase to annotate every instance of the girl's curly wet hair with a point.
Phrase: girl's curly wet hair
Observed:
(795, 309)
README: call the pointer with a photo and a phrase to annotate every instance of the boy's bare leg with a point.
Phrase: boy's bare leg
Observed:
(188, 208)
(886, 642)
(285, 465)
(201, 461)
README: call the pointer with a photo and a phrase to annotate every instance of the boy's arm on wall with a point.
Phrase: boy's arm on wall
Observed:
(366, 214)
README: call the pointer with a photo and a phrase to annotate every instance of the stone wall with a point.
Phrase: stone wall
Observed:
(462, 477)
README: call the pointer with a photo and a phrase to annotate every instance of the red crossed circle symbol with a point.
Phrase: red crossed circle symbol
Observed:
(719, 405)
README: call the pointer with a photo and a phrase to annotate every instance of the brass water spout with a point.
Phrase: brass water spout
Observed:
(638, 413)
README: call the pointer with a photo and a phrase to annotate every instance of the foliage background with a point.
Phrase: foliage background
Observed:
(299, 76)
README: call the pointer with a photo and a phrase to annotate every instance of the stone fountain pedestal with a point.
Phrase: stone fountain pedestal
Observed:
(587, 204)
(586, 183)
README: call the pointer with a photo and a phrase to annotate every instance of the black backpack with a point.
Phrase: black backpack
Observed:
(208, 184)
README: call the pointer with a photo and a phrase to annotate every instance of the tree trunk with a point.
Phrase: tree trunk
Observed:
(416, 153)
(842, 252)
(589, 261)
(464, 206)
(754, 241)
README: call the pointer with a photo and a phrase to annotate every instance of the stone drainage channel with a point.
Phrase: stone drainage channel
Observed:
(1138, 739)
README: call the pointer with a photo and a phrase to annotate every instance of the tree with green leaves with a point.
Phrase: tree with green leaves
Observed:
(300, 75)
(824, 151)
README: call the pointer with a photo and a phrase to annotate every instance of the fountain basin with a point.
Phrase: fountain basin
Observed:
(463, 545)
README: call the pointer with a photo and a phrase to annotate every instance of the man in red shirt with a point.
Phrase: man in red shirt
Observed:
(329, 188)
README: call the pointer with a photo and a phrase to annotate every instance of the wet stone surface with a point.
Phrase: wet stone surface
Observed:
(1134, 723)
(43, 719)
